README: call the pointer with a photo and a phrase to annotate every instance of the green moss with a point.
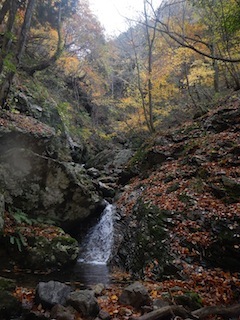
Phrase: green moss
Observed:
(7, 284)
(138, 157)
(191, 300)
(65, 240)
(150, 238)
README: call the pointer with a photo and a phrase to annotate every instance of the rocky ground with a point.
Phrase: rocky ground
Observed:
(181, 213)
(177, 225)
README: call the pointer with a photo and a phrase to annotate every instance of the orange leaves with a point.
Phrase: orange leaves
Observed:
(109, 302)
(214, 286)
(26, 296)
(195, 214)
(114, 298)
(27, 230)
(28, 124)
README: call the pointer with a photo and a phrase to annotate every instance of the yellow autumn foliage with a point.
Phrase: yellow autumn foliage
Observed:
(200, 73)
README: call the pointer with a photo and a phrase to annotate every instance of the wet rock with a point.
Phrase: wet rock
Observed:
(59, 251)
(107, 191)
(52, 293)
(84, 302)
(93, 172)
(135, 295)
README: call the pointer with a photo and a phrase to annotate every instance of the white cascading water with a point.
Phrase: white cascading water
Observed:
(98, 243)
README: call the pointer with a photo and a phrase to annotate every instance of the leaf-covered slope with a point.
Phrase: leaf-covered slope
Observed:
(189, 177)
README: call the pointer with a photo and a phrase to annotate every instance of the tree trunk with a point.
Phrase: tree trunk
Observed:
(24, 30)
(5, 8)
(47, 63)
(150, 43)
(11, 7)
(7, 82)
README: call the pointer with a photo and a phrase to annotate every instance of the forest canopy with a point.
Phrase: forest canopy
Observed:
(173, 61)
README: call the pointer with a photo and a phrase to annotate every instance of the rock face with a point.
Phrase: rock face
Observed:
(141, 238)
(36, 179)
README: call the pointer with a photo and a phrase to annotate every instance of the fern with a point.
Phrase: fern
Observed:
(21, 217)
(19, 240)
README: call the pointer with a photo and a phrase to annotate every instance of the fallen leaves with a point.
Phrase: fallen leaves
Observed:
(25, 124)
(182, 187)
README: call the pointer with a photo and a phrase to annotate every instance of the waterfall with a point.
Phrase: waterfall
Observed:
(98, 243)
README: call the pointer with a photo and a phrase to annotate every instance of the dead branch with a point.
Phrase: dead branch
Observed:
(232, 311)
(164, 312)
(225, 311)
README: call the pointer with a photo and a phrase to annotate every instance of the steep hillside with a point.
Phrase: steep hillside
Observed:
(180, 214)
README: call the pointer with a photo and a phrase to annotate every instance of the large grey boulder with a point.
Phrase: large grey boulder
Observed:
(43, 186)
(84, 301)
(37, 175)
(52, 293)
(135, 295)
(111, 160)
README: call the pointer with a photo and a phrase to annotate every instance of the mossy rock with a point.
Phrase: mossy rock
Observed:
(232, 189)
(224, 251)
(9, 306)
(145, 244)
(190, 300)
(52, 253)
(7, 284)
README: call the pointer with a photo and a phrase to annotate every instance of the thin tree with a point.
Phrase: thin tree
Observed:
(20, 48)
